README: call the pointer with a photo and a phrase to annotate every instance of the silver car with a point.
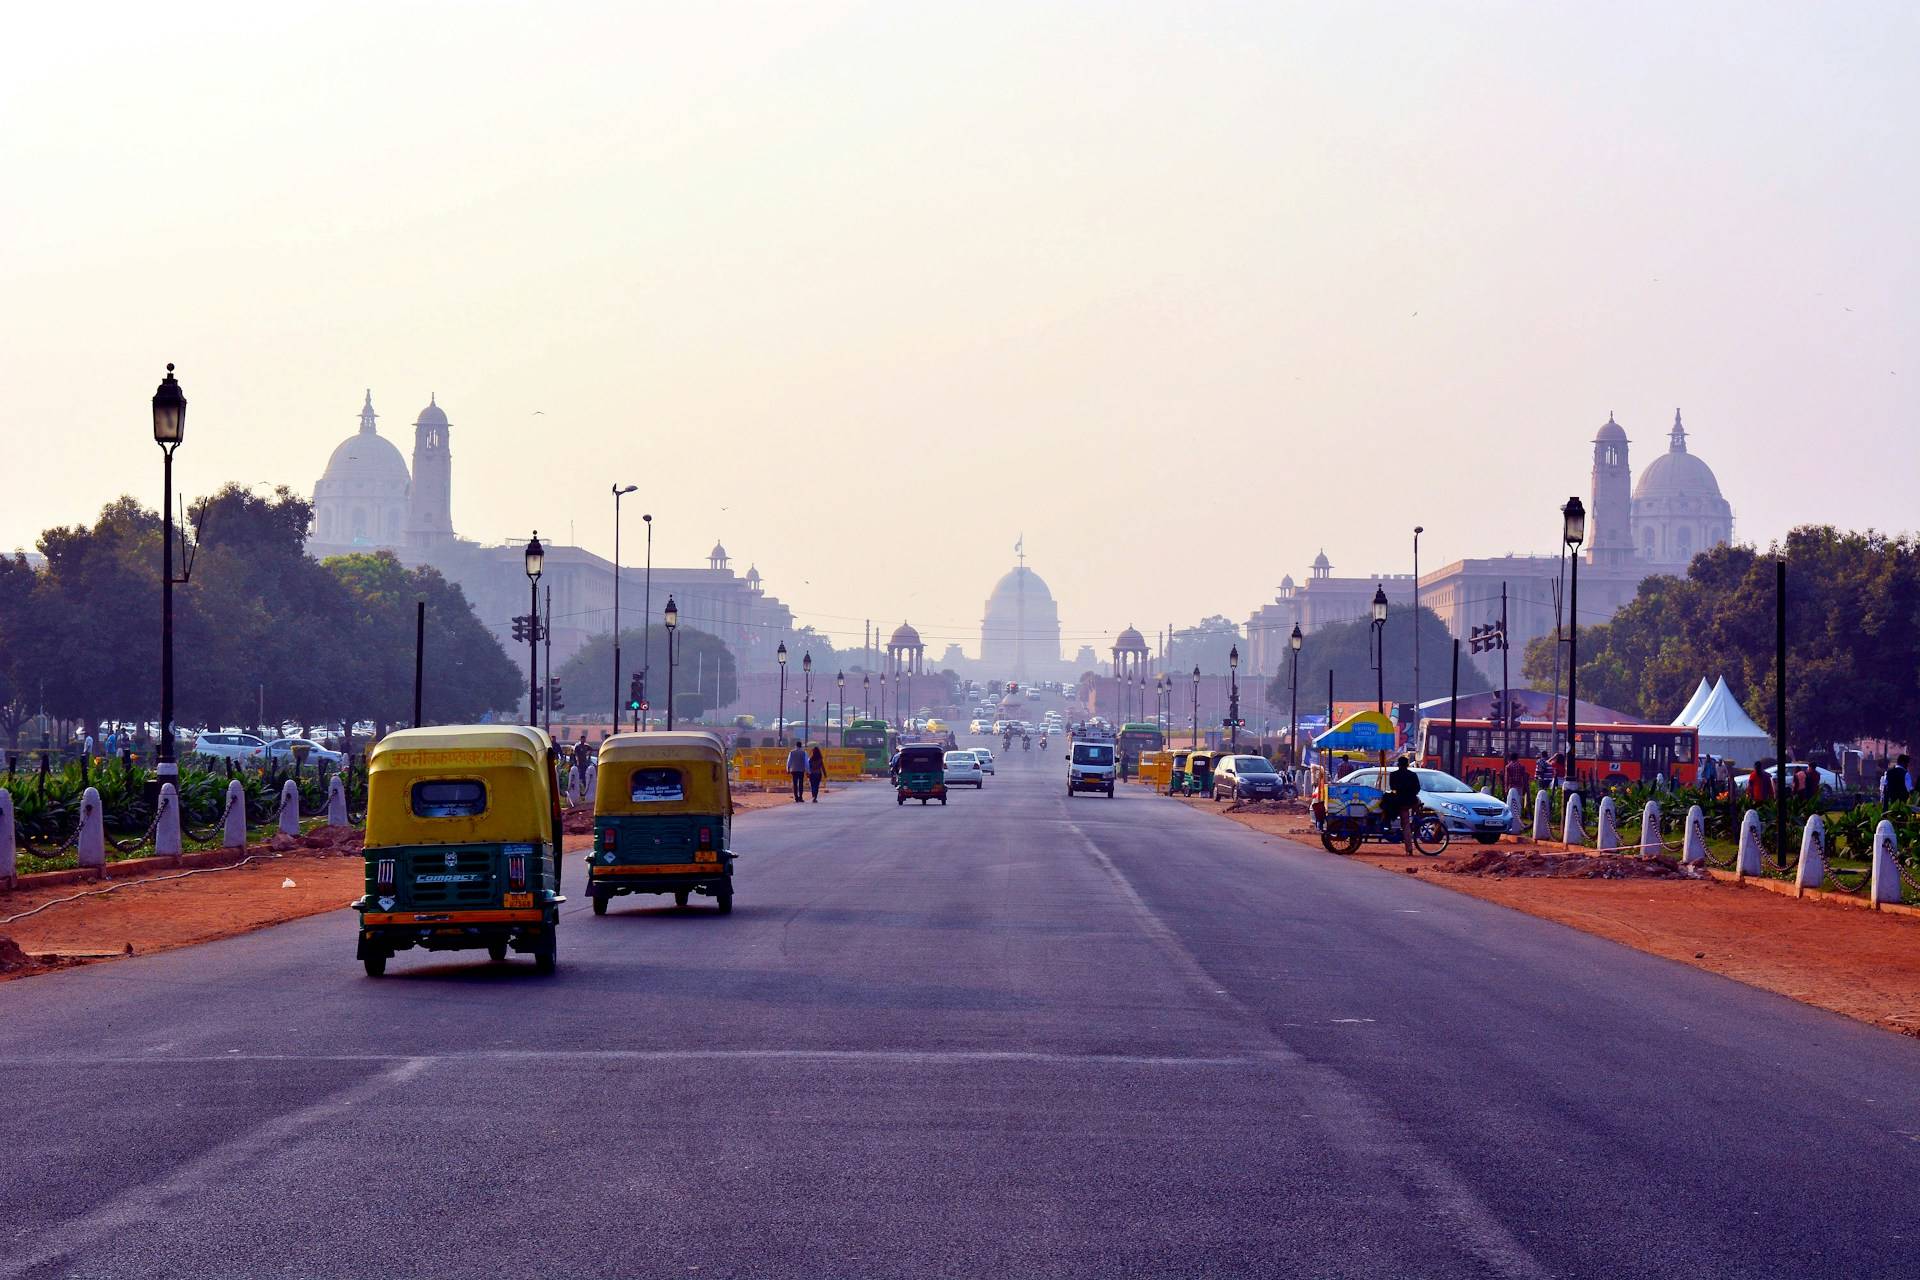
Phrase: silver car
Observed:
(1465, 811)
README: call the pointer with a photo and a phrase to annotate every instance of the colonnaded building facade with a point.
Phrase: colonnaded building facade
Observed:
(368, 500)
(1635, 530)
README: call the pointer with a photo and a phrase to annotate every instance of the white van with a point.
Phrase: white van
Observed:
(1090, 767)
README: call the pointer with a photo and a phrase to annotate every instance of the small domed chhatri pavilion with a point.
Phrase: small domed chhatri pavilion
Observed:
(906, 658)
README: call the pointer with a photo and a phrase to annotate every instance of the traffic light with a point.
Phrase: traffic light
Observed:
(555, 698)
(519, 628)
(637, 691)
(1488, 639)
(536, 705)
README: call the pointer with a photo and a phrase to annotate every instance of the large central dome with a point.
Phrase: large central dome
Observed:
(1014, 581)
(1020, 632)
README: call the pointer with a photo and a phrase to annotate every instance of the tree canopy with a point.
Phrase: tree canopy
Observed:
(1346, 649)
(1853, 611)
(703, 674)
(259, 622)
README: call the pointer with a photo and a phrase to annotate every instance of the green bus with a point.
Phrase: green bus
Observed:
(874, 738)
(1136, 737)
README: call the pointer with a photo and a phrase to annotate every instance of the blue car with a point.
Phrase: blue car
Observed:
(1465, 811)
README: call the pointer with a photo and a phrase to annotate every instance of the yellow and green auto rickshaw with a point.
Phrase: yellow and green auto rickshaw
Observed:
(463, 844)
(662, 819)
(920, 773)
(1177, 770)
(1200, 772)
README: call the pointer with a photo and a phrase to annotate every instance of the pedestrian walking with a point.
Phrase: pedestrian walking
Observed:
(1759, 786)
(797, 772)
(1707, 774)
(816, 770)
(1516, 773)
(1896, 784)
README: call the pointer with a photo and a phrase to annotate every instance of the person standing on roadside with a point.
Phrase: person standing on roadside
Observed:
(797, 772)
(1516, 773)
(816, 770)
(1896, 784)
(1403, 799)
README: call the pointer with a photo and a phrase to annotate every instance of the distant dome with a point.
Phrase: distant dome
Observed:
(1015, 582)
(1287, 583)
(753, 573)
(1677, 473)
(1611, 432)
(433, 415)
(1130, 641)
(1321, 562)
(718, 553)
(905, 637)
(365, 464)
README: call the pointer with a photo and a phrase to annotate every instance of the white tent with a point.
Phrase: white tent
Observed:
(1726, 729)
(1692, 709)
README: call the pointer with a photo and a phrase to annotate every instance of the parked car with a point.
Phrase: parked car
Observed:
(1829, 780)
(282, 749)
(1464, 810)
(985, 757)
(979, 726)
(963, 770)
(1249, 778)
(241, 748)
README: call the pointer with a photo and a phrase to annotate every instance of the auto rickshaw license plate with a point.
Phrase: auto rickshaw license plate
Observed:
(706, 855)
(516, 900)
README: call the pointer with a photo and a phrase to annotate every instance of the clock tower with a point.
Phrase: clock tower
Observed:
(429, 512)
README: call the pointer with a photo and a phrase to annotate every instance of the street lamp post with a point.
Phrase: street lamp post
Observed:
(671, 615)
(866, 694)
(1573, 529)
(646, 610)
(1294, 642)
(806, 696)
(1378, 636)
(1196, 706)
(619, 492)
(840, 683)
(536, 556)
(780, 656)
(169, 426)
(1233, 699)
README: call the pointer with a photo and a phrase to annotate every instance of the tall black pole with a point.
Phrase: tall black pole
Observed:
(546, 642)
(163, 749)
(1506, 695)
(1293, 734)
(646, 609)
(1780, 779)
(782, 717)
(1453, 715)
(1573, 661)
(419, 655)
(672, 634)
(533, 652)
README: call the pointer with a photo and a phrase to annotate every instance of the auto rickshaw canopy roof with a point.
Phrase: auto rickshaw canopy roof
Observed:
(699, 758)
(509, 761)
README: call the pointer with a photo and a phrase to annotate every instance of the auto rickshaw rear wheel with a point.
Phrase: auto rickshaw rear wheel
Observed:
(546, 956)
(376, 962)
(497, 950)
(724, 901)
(599, 903)
(680, 897)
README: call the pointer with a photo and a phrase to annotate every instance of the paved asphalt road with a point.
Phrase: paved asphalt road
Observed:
(1019, 1035)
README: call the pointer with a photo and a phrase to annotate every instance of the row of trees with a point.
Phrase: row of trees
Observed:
(259, 622)
(704, 676)
(1853, 637)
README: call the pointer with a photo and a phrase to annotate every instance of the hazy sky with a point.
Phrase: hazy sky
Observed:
(1180, 291)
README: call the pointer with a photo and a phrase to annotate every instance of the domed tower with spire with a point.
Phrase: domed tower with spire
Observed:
(1678, 510)
(1611, 502)
(430, 509)
(360, 501)
(717, 559)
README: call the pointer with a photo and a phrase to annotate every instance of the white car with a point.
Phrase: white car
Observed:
(985, 757)
(282, 749)
(1465, 811)
(242, 748)
(978, 726)
(963, 770)
(1829, 780)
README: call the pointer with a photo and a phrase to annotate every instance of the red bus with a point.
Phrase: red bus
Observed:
(1609, 754)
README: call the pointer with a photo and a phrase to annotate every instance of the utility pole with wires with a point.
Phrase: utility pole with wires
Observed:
(547, 644)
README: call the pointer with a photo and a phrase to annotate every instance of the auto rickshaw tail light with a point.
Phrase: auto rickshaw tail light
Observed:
(706, 837)
(517, 871)
(384, 873)
(610, 838)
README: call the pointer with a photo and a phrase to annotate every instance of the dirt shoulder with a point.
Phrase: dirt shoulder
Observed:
(1864, 964)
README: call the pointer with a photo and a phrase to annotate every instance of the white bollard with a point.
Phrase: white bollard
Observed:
(1748, 863)
(9, 852)
(166, 832)
(1812, 872)
(1609, 838)
(1571, 831)
(336, 802)
(289, 809)
(1886, 868)
(234, 835)
(1694, 851)
(1542, 817)
(92, 845)
(1515, 803)
(1650, 846)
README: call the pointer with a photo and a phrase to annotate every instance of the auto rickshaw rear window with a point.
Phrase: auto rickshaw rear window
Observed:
(657, 786)
(449, 798)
